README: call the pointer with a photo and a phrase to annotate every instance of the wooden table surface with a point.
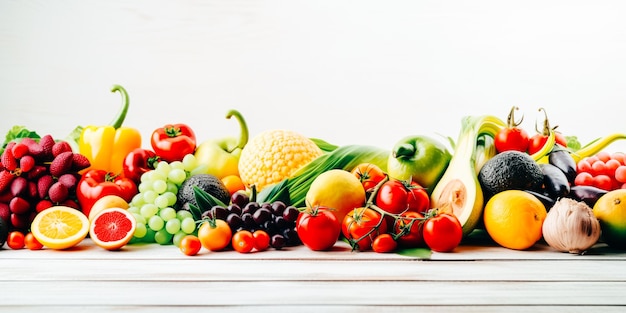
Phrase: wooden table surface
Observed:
(478, 276)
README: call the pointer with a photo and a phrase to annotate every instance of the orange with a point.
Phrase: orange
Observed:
(112, 228)
(514, 218)
(233, 183)
(610, 210)
(60, 227)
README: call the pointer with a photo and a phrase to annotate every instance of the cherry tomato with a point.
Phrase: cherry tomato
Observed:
(443, 232)
(215, 235)
(318, 228)
(512, 137)
(261, 240)
(31, 242)
(537, 141)
(396, 196)
(361, 226)
(190, 245)
(384, 243)
(243, 241)
(368, 174)
(15, 240)
(411, 224)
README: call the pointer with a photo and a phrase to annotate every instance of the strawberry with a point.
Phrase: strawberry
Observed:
(79, 162)
(27, 163)
(8, 160)
(69, 180)
(47, 142)
(61, 164)
(43, 185)
(5, 212)
(59, 147)
(19, 205)
(71, 203)
(58, 192)
(43, 204)
(5, 179)
(6, 196)
(34, 148)
(36, 172)
(19, 187)
(32, 190)
(19, 150)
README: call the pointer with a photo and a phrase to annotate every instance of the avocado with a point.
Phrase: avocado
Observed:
(510, 170)
(207, 182)
(4, 231)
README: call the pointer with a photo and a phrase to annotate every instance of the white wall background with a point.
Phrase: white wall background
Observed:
(365, 72)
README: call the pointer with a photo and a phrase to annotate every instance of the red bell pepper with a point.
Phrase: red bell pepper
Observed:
(95, 184)
(139, 161)
(173, 142)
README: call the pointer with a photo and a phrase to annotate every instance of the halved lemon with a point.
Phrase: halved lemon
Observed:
(60, 227)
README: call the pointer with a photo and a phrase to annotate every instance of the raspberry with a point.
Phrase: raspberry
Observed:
(79, 162)
(27, 163)
(8, 160)
(58, 192)
(60, 147)
(61, 164)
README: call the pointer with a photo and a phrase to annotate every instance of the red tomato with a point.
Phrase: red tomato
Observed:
(95, 184)
(411, 225)
(137, 162)
(173, 141)
(318, 228)
(537, 141)
(384, 243)
(190, 245)
(243, 241)
(31, 242)
(361, 226)
(395, 197)
(368, 174)
(261, 240)
(511, 137)
(443, 232)
(15, 240)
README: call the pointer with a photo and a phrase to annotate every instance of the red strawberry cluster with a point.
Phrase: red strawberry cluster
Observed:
(35, 175)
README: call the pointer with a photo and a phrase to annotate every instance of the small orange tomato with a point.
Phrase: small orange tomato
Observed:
(31, 242)
(215, 235)
(190, 245)
(243, 241)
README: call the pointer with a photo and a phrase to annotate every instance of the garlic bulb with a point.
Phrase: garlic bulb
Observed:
(570, 226)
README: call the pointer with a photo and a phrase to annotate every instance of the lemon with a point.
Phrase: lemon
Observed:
(514, 219)
(610, 210)
(60, 227)
(108, 201)
(337, 189)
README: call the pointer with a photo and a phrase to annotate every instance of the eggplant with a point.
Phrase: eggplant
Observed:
(564, 161)
(554, 181)
(547, 201)
(587, 194)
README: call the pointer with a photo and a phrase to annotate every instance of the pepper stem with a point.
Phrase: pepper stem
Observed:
(243, 137)
(121, 115)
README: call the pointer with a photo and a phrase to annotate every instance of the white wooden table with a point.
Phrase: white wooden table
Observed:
(478, 276)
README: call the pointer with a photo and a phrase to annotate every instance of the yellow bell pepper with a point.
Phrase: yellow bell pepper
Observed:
(107, 146)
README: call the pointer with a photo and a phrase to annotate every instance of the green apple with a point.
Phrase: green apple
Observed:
(419, 158)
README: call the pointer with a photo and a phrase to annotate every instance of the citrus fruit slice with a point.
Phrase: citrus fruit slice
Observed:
(514, 219)
(112, 228)
(610, 210)
(108, 201)
(60, 227)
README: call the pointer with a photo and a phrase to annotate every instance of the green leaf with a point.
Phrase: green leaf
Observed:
(324, 145)
(16, 133)
(195, 212)
(206, 200)
(420, 253)
(278, 192)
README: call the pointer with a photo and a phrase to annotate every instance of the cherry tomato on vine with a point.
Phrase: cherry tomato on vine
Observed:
(384, 243)
(411, 225)
(190, 245)
(31, 243)
(361, 226)
(512, 137)
(318, 228)
(15, 240)
(443, 232)
(396, 196)
(368, 174)
(243, 241)
(215, 235)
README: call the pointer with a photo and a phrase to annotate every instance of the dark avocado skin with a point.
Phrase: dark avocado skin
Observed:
(510, 170)
(207, 182)
(4, 231)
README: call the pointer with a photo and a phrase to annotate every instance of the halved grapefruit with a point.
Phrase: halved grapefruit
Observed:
(112, 228)
(60, 227)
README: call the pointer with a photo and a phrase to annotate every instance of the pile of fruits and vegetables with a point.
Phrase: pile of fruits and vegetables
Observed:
(279, 189)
